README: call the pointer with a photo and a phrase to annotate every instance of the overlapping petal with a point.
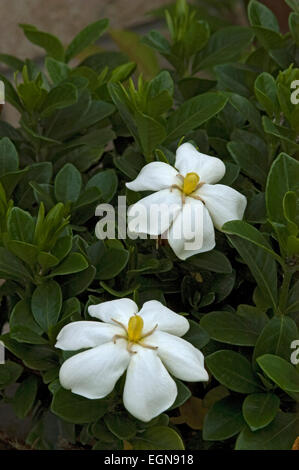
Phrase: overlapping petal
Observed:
(189, 160)
(155, 213)
(223, 203)
(94, 373)
(181, 358)
(149, 389)
(86, 334)
(192, 233)
(154, 177)
(119, 309)
(155, 313)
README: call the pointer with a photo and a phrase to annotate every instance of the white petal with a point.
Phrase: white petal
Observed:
(155, 213)
(189, 160)
(153, 177)
(120, 309)
(154, 313)
(223, 203)
(186, 242)
(86, 334)
(149, 389)
(93, 373)
(180, 357)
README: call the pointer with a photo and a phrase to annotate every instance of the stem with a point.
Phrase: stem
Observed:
(284, 292)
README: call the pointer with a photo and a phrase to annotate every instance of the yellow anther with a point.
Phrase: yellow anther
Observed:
(135, 327)
(191, 181)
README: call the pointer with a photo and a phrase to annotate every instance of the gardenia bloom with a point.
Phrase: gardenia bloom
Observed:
(146, 343)
(188, 189)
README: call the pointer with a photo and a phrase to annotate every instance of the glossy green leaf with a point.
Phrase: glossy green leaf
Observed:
(193, 113)
(233, 370)
(223, 420)
(259, 409)
(278, 435)
(242, 328)
(86, 37)
(46, 304)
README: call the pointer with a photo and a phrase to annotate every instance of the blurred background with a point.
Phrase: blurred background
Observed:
(65, 18)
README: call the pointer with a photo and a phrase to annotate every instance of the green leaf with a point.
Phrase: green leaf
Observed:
(151, 133)
(260, 15)
(261, 264)
(130, 43)
(121, 426)
(242, 328)
(276, 337)
(265, 25)
(293, 4)
(68, 184)
(9, 373)
(85, 38)
(112, 263)
(59, 97)
(20, 225)
(294, 26)
(11, 95)
(278, 435)
(225, 45)
(158, 438)
(250, 233)
(9, 160)
(196, 335)
(233, 370)
(249, 161)
(12, 62)
(22, 315)
(266, 93)
(280, 371)
(11, 267)
(259, 409)
(25, 397)
(193, 113)
(223, 420)
(40, 357)
(283, 177)
(120, 99)
(50, 43)
(247, 110)
(77, 283)
(183, 394)
(23, 334)
(46, 304)
(214, 261)
(58, 71)
(76, 409)
(157, 41)
(74, 263)
(106, 181)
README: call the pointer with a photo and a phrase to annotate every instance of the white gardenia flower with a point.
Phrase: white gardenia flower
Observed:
(146, 344)
(185, 189)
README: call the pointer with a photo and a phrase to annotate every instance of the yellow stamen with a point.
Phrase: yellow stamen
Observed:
(191, 181)
(135, 327)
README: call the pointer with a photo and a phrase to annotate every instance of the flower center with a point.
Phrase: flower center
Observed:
(133, 333)
(188, 186)
(135, 328)
(190, 183)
